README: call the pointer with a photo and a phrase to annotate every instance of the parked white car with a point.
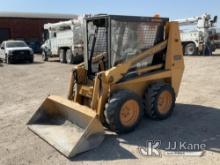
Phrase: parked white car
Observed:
(15, 50)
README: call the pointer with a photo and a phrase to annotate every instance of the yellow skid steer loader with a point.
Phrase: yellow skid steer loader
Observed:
(132, 66)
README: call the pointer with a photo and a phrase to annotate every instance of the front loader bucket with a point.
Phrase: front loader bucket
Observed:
(70, 127)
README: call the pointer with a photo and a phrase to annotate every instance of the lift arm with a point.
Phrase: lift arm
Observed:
(116, 73)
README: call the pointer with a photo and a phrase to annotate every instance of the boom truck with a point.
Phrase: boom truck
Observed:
(200, 40)
(64, 40)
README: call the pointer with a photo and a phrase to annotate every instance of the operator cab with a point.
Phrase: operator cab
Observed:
(111, 40)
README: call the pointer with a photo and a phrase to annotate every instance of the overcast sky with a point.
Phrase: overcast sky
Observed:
(167, 8)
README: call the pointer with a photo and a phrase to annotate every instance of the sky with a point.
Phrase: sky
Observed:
(173, 9)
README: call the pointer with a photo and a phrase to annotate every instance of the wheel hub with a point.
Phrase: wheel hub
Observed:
(164, 102)
(190, 49)
(129, 112)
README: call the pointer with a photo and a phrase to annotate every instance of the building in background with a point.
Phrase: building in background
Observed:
(27, 26)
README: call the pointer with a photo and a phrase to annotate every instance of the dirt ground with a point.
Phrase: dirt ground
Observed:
(196, 118)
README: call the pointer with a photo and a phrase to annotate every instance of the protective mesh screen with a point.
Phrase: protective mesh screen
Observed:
(101, 40)
(100, 33)
(97, 44)
(129, 38)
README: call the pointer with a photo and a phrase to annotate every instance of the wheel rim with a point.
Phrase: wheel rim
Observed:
(190, 49)
(129, 113)
(164, 102)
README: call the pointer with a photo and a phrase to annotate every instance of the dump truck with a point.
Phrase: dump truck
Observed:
(64, 40)
(132, 66)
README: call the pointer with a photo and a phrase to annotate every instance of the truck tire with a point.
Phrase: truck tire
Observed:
(62, 56)
(159, 101)
(31, 60)
(69, 56)
(78, 59)
(1, 63)
(190, 49)
(208, 51)
(123, 111)
(44, 56)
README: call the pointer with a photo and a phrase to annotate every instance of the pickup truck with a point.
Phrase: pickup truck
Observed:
(15, 50)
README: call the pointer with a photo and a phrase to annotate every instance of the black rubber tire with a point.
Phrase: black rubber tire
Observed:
(207, 51)
(113, 107)
(1, 62)
(69, 56)
(187, 53)
(78, 59)
(31, 60)
(62, 55)
(44, 56)
(151, 100)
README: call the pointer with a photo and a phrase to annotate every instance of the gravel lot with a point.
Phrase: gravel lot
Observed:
(196, 119)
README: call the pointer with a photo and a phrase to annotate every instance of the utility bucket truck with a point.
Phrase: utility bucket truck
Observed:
(198, 40)
(64, 40)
